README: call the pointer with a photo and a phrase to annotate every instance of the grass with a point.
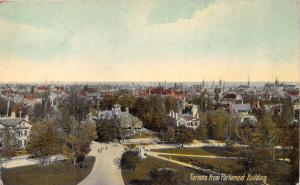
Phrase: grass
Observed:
(277, 172)
(21, 153)
(55, 174)
(146, 165)
(229, 166)
(140, 136)
(220, 151)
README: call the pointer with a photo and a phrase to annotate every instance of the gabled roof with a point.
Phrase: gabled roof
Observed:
(11, 122)
(242, 107)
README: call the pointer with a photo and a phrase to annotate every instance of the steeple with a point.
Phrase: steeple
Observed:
(276, 81)
(248, 81)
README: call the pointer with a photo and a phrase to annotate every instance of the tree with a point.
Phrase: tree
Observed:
(129, 160)
(170, 104)
(201, 132)
(108, 131)
(294, 155)
(170, 134)
(267, 133)
(9, 145)
(184, 135)
(44, 140)
(76, 143)
(249, 137)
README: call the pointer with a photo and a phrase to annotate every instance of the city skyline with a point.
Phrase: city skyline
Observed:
(136, 41)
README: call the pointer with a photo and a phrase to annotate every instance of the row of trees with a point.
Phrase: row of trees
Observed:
(152, 110)
(47, 139)
(62, 130)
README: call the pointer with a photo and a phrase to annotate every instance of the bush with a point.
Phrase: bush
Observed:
(129, 160)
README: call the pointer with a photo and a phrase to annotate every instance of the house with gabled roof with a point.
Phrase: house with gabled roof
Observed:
(18, 126)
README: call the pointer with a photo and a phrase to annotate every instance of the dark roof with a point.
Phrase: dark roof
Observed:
(230, 96)
(11, 121)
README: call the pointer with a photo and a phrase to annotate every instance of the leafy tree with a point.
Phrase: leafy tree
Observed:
(184, 135)
(9, 145)
(220, 124)
(170, 104)
(201, 132)
(44, 140)
(267, 133)
(169, 135)
(294, 155)
(76, 143)
(129, 160)
(252, 152)
(108, 131)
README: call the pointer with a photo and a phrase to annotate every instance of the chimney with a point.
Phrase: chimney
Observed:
(13, 115)
(27, 118)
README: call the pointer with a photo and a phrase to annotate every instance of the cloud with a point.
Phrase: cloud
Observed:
(114, 41)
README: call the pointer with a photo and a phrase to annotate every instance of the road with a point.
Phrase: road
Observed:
(106, 169)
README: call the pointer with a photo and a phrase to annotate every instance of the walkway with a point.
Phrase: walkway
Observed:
(209, 171)
(106, 169)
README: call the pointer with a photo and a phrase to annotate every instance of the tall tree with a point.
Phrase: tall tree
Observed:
(44, 140)
(9, 144)
(76, 143)
(184, 135)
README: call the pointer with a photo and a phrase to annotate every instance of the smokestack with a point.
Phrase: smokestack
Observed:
(8, 104)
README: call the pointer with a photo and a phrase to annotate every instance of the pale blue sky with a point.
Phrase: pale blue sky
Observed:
(132, 40)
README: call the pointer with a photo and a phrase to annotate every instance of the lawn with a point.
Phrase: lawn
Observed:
(146, 165)
(56, 174)
(277, 172)
(228, 166)
(220, 151)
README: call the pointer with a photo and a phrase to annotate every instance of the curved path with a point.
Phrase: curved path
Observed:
(106, 169)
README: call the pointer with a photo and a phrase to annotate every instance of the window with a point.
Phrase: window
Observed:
(25, 133)
(1, 134)
(19, 143)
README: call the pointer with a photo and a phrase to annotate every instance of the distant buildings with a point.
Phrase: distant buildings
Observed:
(175, 91)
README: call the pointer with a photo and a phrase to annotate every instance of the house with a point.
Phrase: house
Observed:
(243, 118)
(231, 98)
(242, 114)
(127, 122)
(176, 119)
(19, 127)
(274, 108)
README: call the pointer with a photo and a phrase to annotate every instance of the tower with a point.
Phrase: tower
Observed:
(248, 81)
(276, 81)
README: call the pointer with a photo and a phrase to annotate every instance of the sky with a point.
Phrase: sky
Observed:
(149, 40)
